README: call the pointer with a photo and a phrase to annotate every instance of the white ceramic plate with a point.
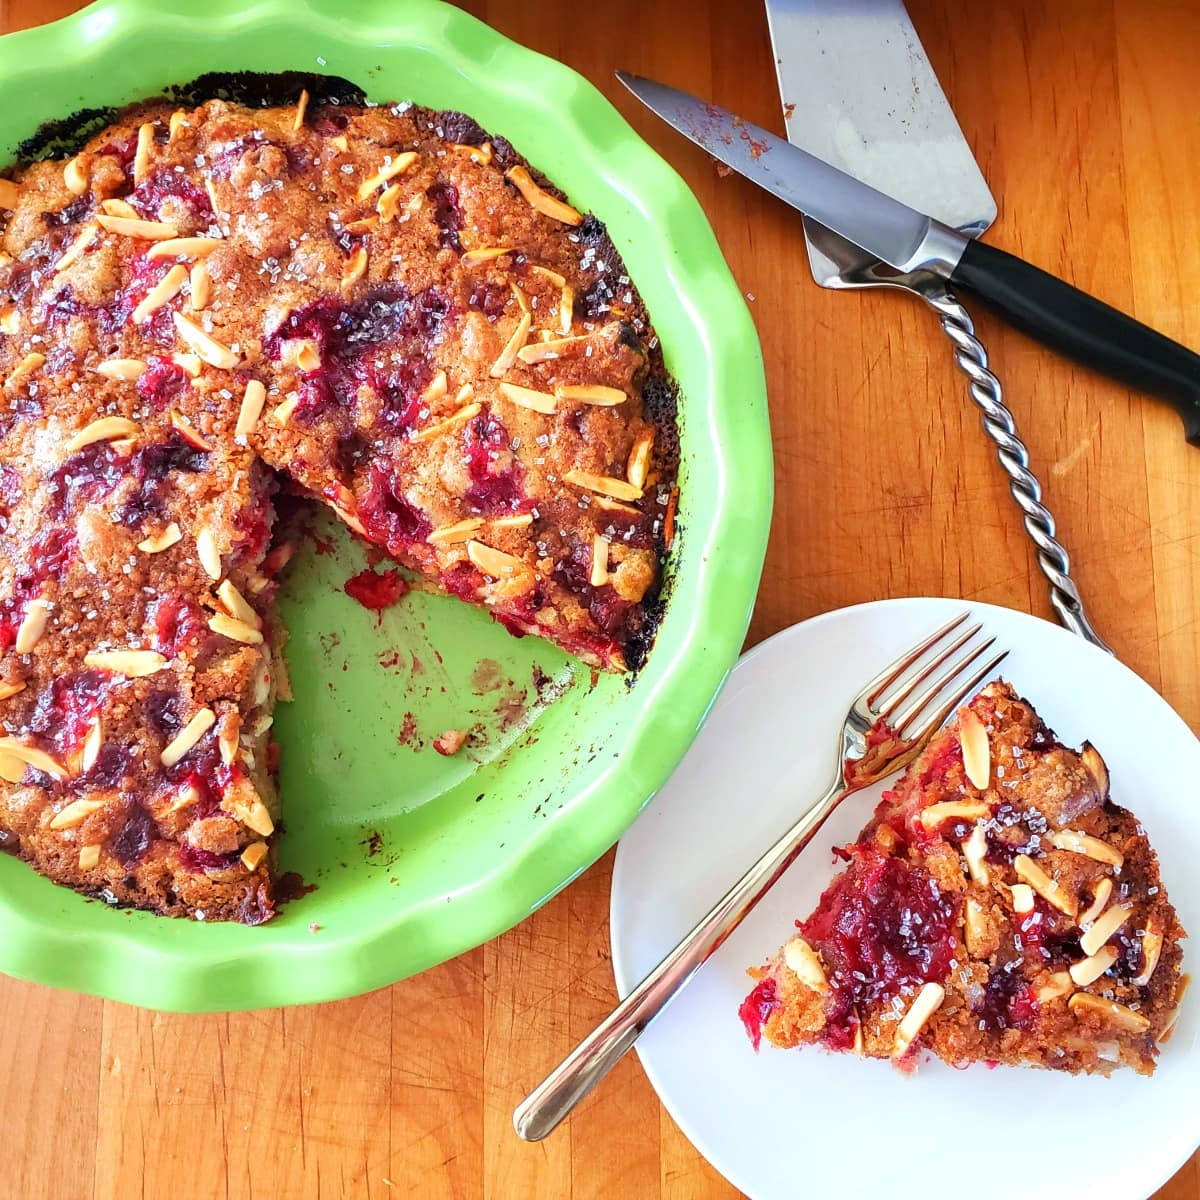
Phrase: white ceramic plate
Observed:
(788, 1124)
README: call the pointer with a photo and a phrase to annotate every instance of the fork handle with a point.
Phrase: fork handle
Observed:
(541, 1111)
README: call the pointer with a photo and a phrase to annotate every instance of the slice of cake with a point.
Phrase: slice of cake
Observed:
(382, 307)
(998, 907)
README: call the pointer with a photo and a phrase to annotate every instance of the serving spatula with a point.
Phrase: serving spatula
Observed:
(888, 123)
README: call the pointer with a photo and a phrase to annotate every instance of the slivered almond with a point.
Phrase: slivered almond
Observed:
(546, 273)
(89, 857)
(119, 208)
(619, 489)
(208, 554)
(127, 370)
(516, 521)
(566, 309)
(211, 188)
(189, 364)
(1088, 970)
(1105, 925)
(178, 120)
(928, 1001)
(438, 387)
(513, 347)
(188, 795)
(204, 345)
(253, 399)
(387, 172)
(33, 361)
(302, 354)
(281, 414)
(1152, 944)
(91, 746)
(1108, 1010)
(537, 352)
(104, 429)
(1085, 844)
(542, 402)
(202, 287)
(975, 850)
(1100, 898)
(235, 604)
(79, 245)
(495, 562)
(253, 815)
(159, 542)
(460, 531)
(184, 247)
(141, 157)
(75, 177)
(136, 227)
(484, 254)
(591, 393)
(1168, 1028)
(611, 505)
(962, 810)
(639, 458)
(804, 962)
(8, 690)
(235, 630)
(133, 664)
(161, 293)
(976, 752)
(541, 200)
(12, 769)
(187, 737)
(1096, 767)
(1022, 898)
(189, 432)
(10, 319)
(520, 297)
(599, 572)
(975, 928)
(356, 268)
(228, 733)
(1049, 889)
(1058, 985)
(464, 394)
(10, 194)
(301, 109)
(75, 813)
(478, 154)
(387, 206)
(33, 625)
(253, 855)
(38, 759)
(460, 417)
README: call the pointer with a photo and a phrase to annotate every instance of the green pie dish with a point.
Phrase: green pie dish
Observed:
(416, 857)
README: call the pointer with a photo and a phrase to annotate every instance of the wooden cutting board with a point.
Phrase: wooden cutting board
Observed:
(1083, 117)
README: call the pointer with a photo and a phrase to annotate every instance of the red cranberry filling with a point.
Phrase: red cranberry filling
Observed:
(65, 712)
(380, 341)
(447, 215)
(150, 467)
(489, 298)
(608, 610)
(196, 859)
(376, 592)
(757, 1008)
(1008, 1002)
(86, 477)
(135, 836)
(387, 515)
(162, 382)
(48, 557)
(492, 492)
(178, 623)
(879, 926)
(166, 184)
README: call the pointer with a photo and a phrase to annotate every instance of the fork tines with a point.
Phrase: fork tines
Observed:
(936, 676)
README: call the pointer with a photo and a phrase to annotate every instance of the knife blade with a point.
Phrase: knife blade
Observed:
(1043, 306)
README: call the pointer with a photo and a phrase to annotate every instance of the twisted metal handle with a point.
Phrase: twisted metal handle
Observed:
(985, 389)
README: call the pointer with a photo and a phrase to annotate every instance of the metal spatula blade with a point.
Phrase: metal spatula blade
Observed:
(858, 92)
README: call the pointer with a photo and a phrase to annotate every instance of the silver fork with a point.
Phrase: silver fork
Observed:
(886, 728)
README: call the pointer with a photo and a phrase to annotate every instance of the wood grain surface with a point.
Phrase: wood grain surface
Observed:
(1083, 116)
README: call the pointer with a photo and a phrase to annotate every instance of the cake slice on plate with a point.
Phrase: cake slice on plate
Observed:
(998, 907)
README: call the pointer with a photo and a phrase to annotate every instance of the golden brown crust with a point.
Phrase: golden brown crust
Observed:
(413, 329)
(1042, 933)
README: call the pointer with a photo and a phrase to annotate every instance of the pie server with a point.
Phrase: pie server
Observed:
(915, 244)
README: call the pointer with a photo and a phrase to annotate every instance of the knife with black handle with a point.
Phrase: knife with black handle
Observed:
(1040, 304)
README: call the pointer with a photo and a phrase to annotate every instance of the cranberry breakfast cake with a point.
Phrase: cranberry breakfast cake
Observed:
(998, 907)
(384, 309)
